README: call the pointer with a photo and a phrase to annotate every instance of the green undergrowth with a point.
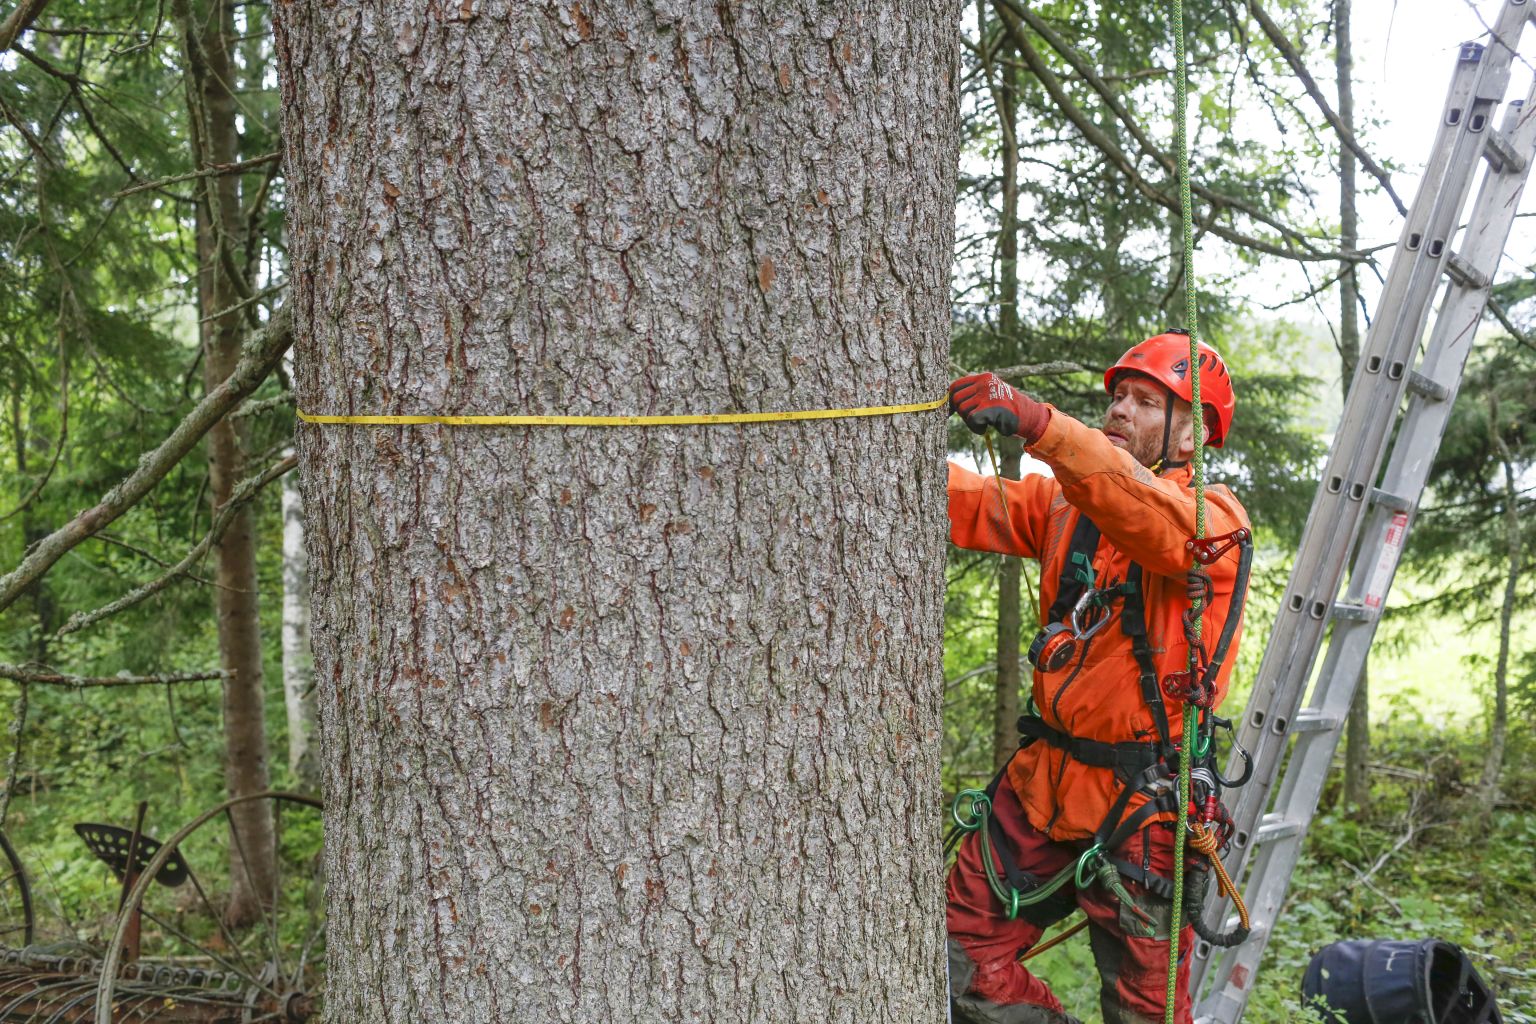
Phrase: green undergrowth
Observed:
(1448, 869)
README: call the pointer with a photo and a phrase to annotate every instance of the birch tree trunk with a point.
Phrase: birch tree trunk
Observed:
(1498, 727)
(298, 663)
(635, 724)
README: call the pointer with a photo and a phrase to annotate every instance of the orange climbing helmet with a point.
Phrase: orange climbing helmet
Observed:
(1165, 359)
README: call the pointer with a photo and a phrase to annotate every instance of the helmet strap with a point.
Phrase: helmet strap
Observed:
(1163, 462)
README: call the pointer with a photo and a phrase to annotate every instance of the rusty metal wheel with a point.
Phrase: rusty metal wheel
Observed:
(174, 956)
(16, 920)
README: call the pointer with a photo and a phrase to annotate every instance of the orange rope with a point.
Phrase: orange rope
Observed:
(1058, 940)
(1204, 841)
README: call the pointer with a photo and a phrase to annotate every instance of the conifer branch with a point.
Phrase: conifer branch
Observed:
(261, 354)
(244, 492)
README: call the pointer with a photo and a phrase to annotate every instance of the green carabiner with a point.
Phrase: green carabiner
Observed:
(1202, 746)
(979, 804)
(1094, 851)
(1013, 903)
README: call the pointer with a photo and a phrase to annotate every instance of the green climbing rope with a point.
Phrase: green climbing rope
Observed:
(974, 815)
(1192, 324)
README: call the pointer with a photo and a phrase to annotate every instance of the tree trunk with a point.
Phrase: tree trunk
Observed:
(1357, 751)
(635, 724)
(1005, 711)
(220, 240)
(298, 663)
(1498, 729)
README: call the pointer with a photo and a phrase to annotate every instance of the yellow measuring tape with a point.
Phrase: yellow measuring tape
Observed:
(626, 421)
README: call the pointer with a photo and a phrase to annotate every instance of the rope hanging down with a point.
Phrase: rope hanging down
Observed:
(1197, 416)
(702, 419)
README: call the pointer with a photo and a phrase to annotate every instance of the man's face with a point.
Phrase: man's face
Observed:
(1135, 418)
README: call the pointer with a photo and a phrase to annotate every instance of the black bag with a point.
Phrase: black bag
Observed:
(1402, 982)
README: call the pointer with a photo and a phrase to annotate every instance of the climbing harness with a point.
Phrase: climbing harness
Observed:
(1081, 610)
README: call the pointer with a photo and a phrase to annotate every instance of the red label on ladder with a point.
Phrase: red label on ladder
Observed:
(1391, 548)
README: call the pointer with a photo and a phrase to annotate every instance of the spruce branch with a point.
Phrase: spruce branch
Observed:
(1283, 45)
(261, 354)
(244, 492)
(1127, 167)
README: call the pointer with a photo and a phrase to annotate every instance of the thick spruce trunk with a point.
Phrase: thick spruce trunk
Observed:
(634, 724)
(209, 29)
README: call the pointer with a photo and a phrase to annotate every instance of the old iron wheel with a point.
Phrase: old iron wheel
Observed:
(262, 967)
(16, 920)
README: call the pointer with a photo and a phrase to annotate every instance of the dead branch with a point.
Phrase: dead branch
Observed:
(256, 408)
(1347, 137)
(261, 354)
(1058, 368)
(242, 495)
(44, 677)
(211, 171)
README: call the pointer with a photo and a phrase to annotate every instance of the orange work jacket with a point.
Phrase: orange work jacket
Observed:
(1142, 518)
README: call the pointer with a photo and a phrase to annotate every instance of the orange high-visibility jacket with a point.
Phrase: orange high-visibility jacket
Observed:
(1141, 518)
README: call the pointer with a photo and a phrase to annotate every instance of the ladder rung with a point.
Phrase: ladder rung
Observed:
(1501, 153)
(1428, 387)
(1464, 273)
(1353, 612)
(1276, 826)
(1313, 720)
(1386, 499)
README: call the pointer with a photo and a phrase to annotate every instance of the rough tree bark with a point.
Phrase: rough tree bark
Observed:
(220, 237)
(298, 662)
(627, 724)
(1357, 751)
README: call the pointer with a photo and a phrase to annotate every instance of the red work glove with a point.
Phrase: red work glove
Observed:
(985, 400)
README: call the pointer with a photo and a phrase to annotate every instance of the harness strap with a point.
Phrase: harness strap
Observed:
(1076, 568)
(1133, 623)
(1126, 759)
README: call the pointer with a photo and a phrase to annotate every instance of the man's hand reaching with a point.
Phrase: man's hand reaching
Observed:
(985, 400)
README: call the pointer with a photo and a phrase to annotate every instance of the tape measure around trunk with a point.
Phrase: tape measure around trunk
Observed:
(703, 419)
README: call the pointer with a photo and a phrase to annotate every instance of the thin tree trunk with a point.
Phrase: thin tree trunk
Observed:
(220, 237)
(637, 724)
(298, 663)
(1005, 711)
(1357, 783)
(1498, 729)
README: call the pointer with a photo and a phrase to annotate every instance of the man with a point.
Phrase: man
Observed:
(1099, 746)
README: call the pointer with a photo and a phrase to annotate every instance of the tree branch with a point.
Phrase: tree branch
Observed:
(42, 677)
(1127, 167)
(1280, 42)
(214, 170)
(20, 20)
(256, 362)
(244, 491)
(1086, 70)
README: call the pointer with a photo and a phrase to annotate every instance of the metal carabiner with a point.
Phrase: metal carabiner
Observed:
(1241, 780)
(1079, 610)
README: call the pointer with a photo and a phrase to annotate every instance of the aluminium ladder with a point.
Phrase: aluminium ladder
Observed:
(1361, 513)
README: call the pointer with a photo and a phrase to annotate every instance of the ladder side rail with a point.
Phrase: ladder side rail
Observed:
(1337, 510)
(1376, 563)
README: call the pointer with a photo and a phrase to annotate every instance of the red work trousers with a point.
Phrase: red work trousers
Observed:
(987, 982)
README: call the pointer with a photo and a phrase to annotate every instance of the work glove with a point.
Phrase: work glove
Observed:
(985, 400)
